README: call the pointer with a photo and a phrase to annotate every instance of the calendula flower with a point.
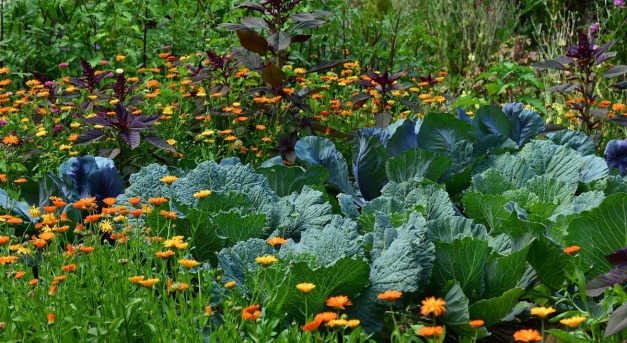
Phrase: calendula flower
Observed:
(230, 284)
(109, 201)
(542, 311)
(430, 331)
(337, 323)
(573, 322)
(266, 260)
(338, 302)
(20, 274)
(106, 226)
(69, 268)
(325, 316)
(202, 194)
(571, 250)
(50, 318)
(134, 201)
(305, 287)
(477, 323)
(4, 240)
(188, 264)
(136, 279)
(274, 241)
(433, 305)
(86, 250)
(164, 254)
(528, 335)
(390, 295)
(208, 311)
(148, 283)
(157, 201)
(352, 323)
(312, 326)
(168, 214)
(251, 312)
(169, 179)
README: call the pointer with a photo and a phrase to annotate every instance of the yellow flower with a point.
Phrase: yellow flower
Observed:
(136, 279)
(305, 287)
(106, 226)
(230, 284)
(352, 323)
(542, 311)
(168, 179)
(573, 322)
(202, 194)
(148, 283)
(433, 305)
(189, 263)
(208, 311)
(337, 323)
(266, 260)
(34, 211)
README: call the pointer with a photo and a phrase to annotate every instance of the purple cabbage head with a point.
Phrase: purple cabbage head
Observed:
(616, 155)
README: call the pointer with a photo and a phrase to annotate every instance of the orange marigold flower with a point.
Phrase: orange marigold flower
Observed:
(277, 241)
(168, 214)
(251, 312)
(134, 201)
(528, 335)
(619, 107)
(572, 249)
(477, 323)
(136, 213)
(33, 282)
(430, 331)
(53, 289)
(20, 274)
(4, 240)
(109, 201)
(15, 220)
(208, 311)
(86, 250)
(49, 209)
(573, 322)
(338, 302)
(47, 236)
(70, 268)
(7, 260)
(50, 318)
(92, 218)
(39, 243)
(390, 295)
(164, 254)
(433, 305)
(312, 326)
(157, 201)
(325, 316)
(10, 140)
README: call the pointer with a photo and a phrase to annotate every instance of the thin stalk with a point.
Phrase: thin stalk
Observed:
(1, 27)
(145, 32)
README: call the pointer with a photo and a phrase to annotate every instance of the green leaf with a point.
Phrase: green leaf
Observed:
(491, 181)
(451, 228)
(305, 210)
(487, 209)
(416, 164)
(491, 120)
(503, 273)
(235, 226)
(593, 168)
(573, 139)
(554, 161)
(549, 261)
(369, 159)
(461, 260)
(284, 180)
(600, 232)
(551, 190)
(440, 132)
(492, 310)
(514, 167)
(572, 336)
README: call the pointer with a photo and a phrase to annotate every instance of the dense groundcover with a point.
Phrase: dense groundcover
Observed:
(304, 171)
